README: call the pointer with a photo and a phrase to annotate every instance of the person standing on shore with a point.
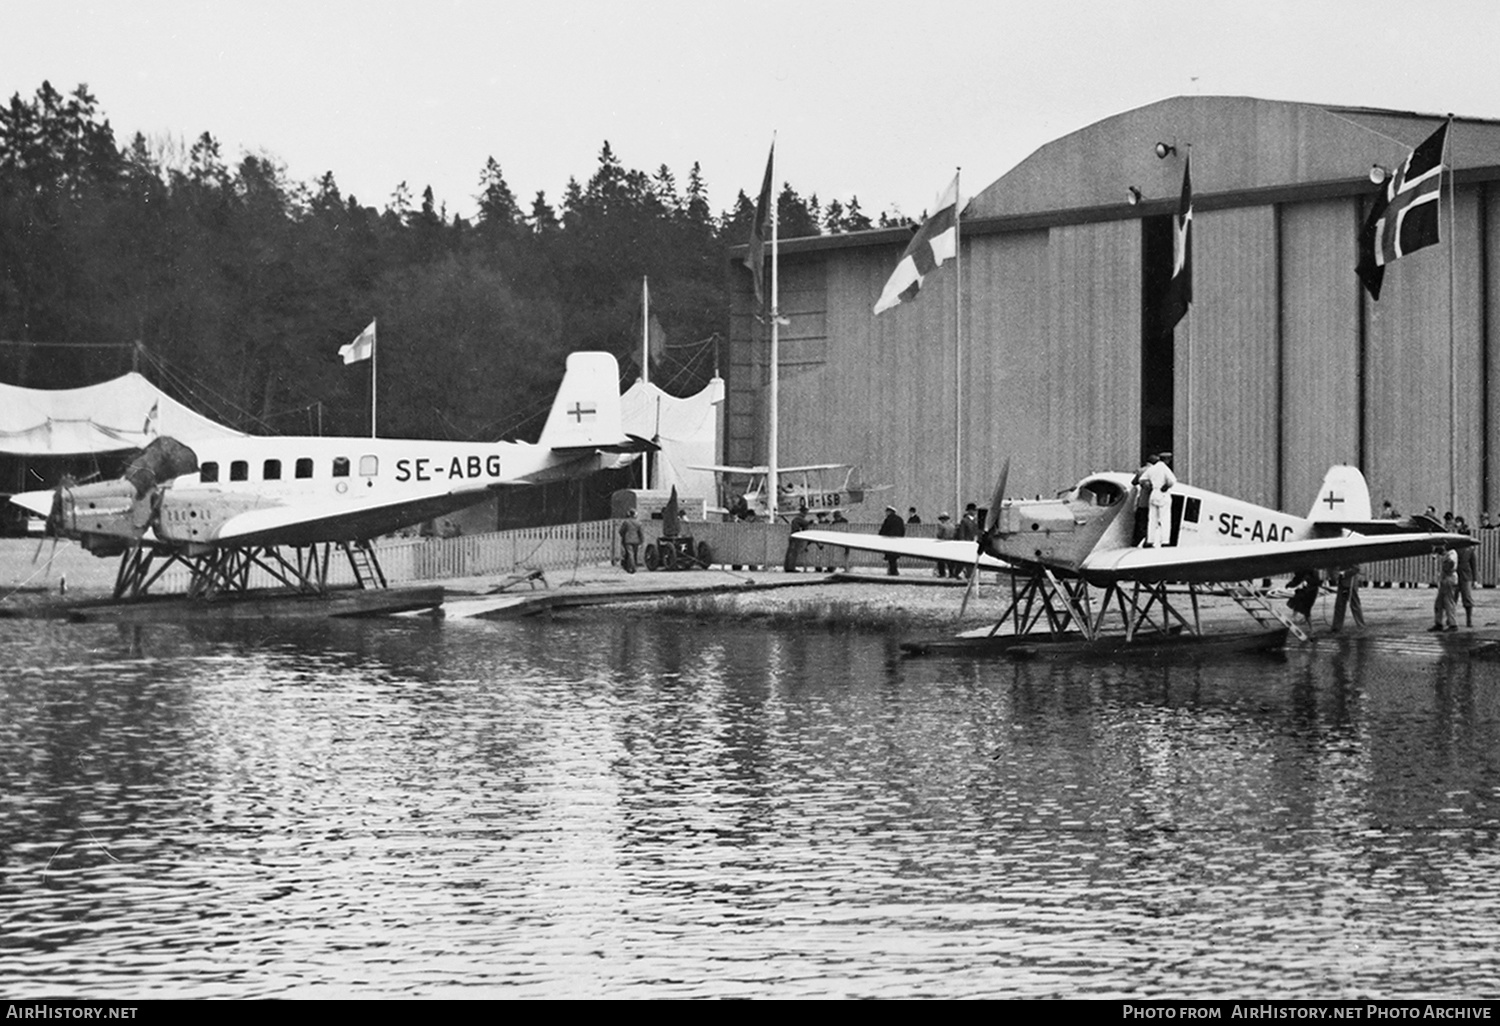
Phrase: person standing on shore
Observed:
(1346, 596)
(1468, 569)
(892, 527)
(1305, 585)
(1445, 606)
(792, 563)
(631, 537)
(946, 532)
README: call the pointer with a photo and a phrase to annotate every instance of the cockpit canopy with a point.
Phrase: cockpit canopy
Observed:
(1096, 491)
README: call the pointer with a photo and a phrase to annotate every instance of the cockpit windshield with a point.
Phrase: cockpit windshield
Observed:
(1098, 492)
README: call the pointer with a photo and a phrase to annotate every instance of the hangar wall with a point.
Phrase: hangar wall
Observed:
(1320, 408)
(1227, 358)
(1407, 396)
(1282, 367)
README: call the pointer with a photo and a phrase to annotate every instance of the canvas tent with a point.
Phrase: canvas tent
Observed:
(112, 416)
(686, 429)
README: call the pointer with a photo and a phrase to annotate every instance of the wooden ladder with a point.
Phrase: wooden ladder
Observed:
(366, 567)
(1253, 601)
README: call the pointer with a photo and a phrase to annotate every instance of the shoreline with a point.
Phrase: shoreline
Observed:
(915, 600)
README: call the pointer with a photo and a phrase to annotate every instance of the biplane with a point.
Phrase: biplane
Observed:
(826, 487)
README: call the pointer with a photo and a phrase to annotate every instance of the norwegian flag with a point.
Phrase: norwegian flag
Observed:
(755, 253)
(1404, 217)
(1180, 289)
(935, 242)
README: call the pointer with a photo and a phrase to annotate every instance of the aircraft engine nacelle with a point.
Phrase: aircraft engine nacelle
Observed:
(1044, 530)
(106, 517)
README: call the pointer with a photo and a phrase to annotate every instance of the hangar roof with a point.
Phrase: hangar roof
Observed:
(1245, 151)
(1239, 145)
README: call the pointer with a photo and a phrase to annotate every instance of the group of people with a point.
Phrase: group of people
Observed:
(1305, 586)
(802, 520)
(1457, 569)
(967, 529)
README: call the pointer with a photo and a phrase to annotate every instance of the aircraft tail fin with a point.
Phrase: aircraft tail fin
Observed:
(1343, 498)
(586, 412)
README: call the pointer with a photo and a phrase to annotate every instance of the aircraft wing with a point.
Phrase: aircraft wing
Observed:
(813, 466)
(629, 444)
(1418, 524)
(719, 468)
(310, 523)
(917, 548)
(1218, 563)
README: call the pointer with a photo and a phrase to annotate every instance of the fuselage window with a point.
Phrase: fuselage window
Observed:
(369, 466)
(272, 470)
(341, 466)
(208, 473)
(304, 467)
(239, 470)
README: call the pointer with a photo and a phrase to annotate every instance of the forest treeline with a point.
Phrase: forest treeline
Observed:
(243, 284)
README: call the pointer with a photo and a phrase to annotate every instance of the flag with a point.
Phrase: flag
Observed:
(656, 337)
(1404, 217)
(362, 348)
(149, 428)
(1180, 289)
(656, 340)
(934, 243)
(755, 255)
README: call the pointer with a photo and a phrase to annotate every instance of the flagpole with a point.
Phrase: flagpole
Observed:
(1452, 349)
(645, 331)
(958, 343)
(374, 388)
(772, 484)
(1188, 356)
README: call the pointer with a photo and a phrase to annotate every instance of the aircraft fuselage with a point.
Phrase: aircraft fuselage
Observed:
(1090, 529)
(348, 487)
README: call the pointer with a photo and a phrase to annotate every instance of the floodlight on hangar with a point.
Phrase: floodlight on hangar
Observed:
(1132, 195)
(1164, 150)
(1378, 174)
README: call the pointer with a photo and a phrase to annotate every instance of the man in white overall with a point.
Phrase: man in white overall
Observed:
(1161, 480)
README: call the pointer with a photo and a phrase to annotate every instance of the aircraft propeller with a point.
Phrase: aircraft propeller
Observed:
(982, 543)
(54, 523)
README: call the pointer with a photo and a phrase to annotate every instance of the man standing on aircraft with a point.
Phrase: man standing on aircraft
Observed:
(1161, 479)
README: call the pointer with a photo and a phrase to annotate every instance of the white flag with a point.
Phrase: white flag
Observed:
(362, 348)
(935, 242)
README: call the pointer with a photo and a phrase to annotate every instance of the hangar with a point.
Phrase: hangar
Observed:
(1282, 366)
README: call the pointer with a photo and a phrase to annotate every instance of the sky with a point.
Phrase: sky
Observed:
(869, 98)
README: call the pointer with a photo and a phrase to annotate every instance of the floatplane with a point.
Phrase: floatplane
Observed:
(1076, 565)
(221, 507)
(819, 487)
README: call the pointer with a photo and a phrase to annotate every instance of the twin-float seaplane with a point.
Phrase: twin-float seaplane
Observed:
(821, 487)
(223, 506)
(1059, 550)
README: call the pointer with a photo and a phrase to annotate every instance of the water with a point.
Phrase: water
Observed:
(610, 805)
